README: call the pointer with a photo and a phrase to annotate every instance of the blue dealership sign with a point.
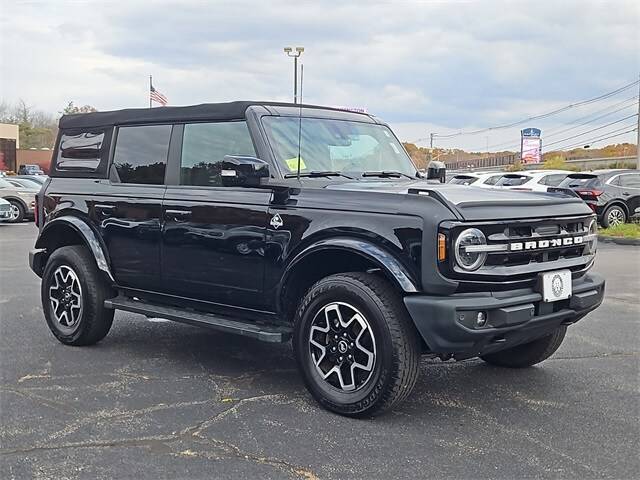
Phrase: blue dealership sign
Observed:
(531, 132)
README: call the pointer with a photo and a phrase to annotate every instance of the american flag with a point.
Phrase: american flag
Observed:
(157, 97)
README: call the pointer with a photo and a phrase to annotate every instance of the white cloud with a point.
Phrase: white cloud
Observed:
(424, 66)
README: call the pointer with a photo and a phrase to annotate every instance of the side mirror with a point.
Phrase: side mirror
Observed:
(241, 171)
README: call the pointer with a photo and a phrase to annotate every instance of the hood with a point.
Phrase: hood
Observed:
(474, 203)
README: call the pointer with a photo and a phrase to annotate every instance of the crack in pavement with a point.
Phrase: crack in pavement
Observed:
(189, 434)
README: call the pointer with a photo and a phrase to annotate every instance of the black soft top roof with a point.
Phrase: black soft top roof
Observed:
(206, 111)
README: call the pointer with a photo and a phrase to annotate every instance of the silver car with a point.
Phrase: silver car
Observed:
(5, 210)
(22, 200)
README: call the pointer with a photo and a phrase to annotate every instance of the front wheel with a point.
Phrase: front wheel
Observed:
(356, 345)
(73, 295)
(528, 354)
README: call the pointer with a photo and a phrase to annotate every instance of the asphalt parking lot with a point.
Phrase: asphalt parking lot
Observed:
(163, 400)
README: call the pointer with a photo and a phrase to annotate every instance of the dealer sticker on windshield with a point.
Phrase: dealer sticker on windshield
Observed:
(556, 285)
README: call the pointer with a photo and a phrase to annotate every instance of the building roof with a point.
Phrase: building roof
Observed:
(203, 112)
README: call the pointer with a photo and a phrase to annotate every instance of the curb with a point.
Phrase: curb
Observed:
(619, 240)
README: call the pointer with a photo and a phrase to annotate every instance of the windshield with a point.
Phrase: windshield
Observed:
(341, 146)
(512, 180)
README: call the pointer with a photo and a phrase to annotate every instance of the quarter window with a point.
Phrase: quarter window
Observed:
(630, 180)
(141, 153)
(204, 147)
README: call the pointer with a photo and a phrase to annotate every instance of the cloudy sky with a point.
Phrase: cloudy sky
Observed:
(424, 66)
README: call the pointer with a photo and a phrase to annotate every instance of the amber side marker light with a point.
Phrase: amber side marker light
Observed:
(442, 247)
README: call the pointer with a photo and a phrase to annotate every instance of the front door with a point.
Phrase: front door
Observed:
(213, 236)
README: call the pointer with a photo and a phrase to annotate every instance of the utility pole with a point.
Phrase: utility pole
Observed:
(638, 129)
(290, 53)
(431, 135)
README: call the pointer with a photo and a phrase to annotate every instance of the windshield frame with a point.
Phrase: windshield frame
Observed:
(284, 172)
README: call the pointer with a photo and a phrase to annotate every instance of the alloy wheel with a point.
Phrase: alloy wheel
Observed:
(14, 212)
(65, 296)
(615, 217)
(342, 346)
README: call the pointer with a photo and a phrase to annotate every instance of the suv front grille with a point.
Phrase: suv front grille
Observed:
(518, 251)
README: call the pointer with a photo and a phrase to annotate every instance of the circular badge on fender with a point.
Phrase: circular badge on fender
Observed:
(557, 285)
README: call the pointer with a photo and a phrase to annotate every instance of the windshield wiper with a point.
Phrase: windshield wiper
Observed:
(318, 173)
(386, 174)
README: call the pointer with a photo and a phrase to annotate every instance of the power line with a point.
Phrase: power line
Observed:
(543, 115)
(596, 139)
(592, 130)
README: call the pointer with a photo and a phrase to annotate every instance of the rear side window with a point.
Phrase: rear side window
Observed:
(630, 180)
(492, 180)
(204, 146)
(141, 154)
(82, 153)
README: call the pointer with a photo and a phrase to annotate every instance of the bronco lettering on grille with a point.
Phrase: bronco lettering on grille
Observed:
(542, 244)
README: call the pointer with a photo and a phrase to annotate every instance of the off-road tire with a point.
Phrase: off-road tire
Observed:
(528, 354)
(94, 320)
(15, 204)
(398, 345)
(618, 210)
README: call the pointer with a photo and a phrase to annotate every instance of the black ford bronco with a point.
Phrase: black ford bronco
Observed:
(281, 222)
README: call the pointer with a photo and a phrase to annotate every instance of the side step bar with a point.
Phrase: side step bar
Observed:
(265, 333)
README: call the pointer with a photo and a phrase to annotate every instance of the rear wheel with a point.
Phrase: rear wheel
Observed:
(528, 354)
(73, 295)
(614, 215)
(355, 344)
(17, 212)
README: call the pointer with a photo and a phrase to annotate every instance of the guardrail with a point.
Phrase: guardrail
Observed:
(580, 163)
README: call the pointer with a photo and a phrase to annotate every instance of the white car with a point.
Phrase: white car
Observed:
(532, 180)
(5, 210)
(477, 179)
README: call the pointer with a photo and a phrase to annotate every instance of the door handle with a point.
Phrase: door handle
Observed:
(626, 194)
(177, 215)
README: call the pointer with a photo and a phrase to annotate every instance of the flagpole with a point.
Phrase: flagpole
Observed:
(150, 86)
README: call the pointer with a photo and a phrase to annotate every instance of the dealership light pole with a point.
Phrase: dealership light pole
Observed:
(295, 54)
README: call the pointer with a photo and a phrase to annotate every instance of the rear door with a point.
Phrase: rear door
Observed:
(128, 213)
(213, 236)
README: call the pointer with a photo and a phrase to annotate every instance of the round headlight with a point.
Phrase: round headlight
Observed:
(593, 242)
(466, 257)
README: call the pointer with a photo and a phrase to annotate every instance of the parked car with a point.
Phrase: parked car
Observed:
(39, 179)
(532, 180)
(614, 195)
(477, 179)
(30, 170)
(24, 183)
(5, 210)
(215, 215)
(22, 200)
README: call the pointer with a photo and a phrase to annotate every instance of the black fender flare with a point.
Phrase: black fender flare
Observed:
(90, 238)
(377, 255)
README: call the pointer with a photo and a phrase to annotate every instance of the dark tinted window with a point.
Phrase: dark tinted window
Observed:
(553, 180)
(204, 146)
(631, 180)
(581, 181)
(492, 180)
(512, 181)
(141, 153)
(463, 180)
(80, 151)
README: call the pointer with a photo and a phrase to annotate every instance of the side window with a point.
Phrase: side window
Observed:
(631, 180)
(83, 152)
(204, 146)
(141, 153)
(492, 180)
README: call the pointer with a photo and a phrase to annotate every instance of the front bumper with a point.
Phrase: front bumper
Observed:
(448, 324)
